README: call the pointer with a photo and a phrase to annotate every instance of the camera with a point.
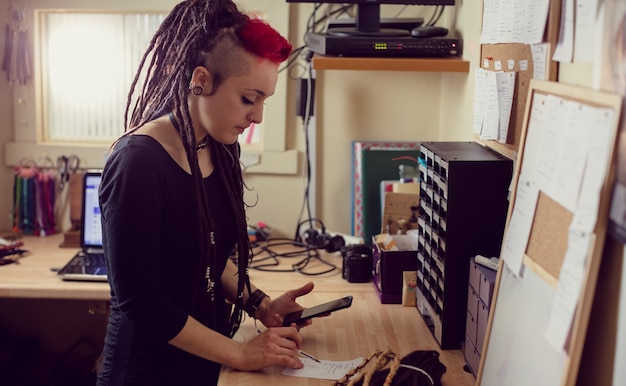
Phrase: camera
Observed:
(357, 263)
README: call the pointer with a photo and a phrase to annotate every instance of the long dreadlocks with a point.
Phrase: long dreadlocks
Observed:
(186, 39)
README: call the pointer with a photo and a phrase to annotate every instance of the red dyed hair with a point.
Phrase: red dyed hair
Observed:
(263, 40)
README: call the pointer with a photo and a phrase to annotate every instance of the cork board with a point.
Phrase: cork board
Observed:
(548, 235)
(548, 240)
(503, 54)
(517, 53)
(522, 305)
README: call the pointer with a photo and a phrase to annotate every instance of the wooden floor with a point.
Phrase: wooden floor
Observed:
(347, 334)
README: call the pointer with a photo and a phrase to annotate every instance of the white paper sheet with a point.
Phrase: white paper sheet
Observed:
(571, 278)
(480, 80)
(600, 122)
(331, 370)
(518, 231)
(586, 11)
(536, 123)
(563, 150)
(514, 21)
(506, 88)
(548, 144)
(493, 97)
(565, 45)
(539, 53)
(487, 112)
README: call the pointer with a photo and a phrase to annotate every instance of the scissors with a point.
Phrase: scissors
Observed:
(66, 165)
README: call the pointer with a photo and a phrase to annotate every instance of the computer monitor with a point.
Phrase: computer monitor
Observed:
(368, 16)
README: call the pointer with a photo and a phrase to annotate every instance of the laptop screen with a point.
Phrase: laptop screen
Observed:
(91, 233)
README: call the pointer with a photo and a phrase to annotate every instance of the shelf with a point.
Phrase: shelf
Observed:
(450, 64)
(506, 149)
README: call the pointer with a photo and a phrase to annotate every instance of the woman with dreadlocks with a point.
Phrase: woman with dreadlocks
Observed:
(173, 209)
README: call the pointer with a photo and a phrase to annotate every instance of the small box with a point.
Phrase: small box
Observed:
(481, 327)
(487, 282)
(387, 271)
(472, 356)
(474, 275)
(472, 301)
(470, 327)
(482, 280)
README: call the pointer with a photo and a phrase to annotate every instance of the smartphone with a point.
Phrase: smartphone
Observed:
(300, 317)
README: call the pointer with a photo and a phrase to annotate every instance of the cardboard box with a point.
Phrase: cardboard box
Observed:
(400, 212)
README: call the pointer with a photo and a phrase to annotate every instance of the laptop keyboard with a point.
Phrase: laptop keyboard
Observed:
(90, 260)
(85, 263)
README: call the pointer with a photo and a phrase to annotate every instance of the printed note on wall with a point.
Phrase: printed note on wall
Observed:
(514, 21)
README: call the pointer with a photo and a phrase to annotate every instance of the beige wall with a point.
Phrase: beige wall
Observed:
(351, 105)
(6, 134)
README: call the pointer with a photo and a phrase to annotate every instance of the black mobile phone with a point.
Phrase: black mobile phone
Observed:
(300, 317)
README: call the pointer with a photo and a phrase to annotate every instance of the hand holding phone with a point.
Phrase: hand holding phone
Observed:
(300, 317)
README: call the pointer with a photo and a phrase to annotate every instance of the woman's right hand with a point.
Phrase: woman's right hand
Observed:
(274, 346)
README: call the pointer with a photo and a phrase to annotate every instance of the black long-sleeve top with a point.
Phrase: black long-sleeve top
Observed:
(148, 232)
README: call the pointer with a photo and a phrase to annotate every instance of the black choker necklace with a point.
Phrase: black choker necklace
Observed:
(202, 145)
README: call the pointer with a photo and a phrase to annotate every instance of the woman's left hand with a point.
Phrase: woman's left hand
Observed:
(285, 304)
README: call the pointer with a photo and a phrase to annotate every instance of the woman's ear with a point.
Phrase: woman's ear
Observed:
(203, 78)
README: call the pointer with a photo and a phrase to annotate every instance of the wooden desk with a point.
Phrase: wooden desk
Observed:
(33, 277)
(355, 332)
(63, 317)
(351, 333)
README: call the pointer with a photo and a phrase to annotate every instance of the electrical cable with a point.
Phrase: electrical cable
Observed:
(439, 15)
(311, 25)
(431, 21)
(436, 15)
(401, 11)
(292, 58)
(310, 254)
(305, 210)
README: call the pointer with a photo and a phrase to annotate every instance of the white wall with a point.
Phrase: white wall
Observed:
(352, 105)
(400, 106)
(6, 134)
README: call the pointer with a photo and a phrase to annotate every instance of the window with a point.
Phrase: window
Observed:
(88, 61)
(69, 108)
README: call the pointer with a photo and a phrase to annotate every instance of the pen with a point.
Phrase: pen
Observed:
(301, 352)
(309, 356)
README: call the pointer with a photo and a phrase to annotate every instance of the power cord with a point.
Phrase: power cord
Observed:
(310, 253)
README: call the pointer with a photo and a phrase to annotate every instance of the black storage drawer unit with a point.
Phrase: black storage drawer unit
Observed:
(464, 193)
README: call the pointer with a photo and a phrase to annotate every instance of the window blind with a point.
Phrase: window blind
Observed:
(88, 60)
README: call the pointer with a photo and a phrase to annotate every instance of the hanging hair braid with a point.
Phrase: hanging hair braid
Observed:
(214, 34)
(419, 368)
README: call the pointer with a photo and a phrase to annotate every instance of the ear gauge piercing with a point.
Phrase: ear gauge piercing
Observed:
(196, 90)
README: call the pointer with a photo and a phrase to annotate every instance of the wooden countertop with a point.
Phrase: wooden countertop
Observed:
(347, 334)
(355, 332)
(33, 277)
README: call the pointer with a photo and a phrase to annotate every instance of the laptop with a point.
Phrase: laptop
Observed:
(88, 264)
